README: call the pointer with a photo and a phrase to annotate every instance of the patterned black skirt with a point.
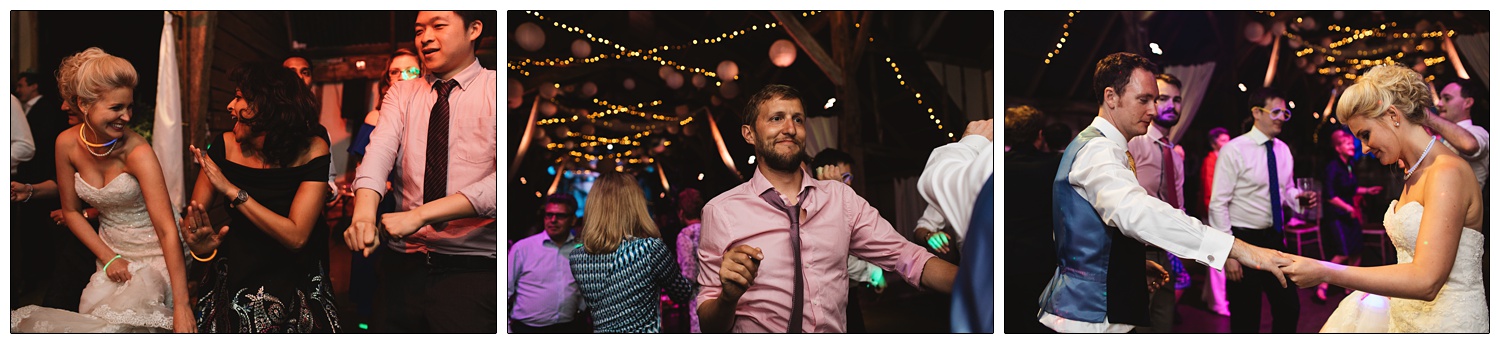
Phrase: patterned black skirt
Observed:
(223, 308)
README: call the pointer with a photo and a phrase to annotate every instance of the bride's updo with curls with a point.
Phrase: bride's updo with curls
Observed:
(82, 77)
(1384, 86)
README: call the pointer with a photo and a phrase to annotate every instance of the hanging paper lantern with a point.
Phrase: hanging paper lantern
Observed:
(549, 91)
(581, 48)
(530, 36)
(513, 93)
(547, 108)
(699, 81)
(588, 129)
(1254, 31)
(629, 84)
(664, 71)
(674, 80)
(561, 131)
(728, 70)
(589, 89)
(691, 129)
(1308, 23)
(673, 129)
(1278, 28)
(730, 89)
(783, 53)
(1338, 15)
(714, 99)
(681, 110)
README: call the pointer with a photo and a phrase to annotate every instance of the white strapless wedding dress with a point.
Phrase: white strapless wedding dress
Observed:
(141, 304)
(1458, 308)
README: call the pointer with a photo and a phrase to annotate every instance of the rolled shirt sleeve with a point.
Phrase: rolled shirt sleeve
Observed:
(380, 154)
(953, 175)
(481, 195)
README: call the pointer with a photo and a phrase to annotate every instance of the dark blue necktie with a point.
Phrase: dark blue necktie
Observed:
(1277, 221)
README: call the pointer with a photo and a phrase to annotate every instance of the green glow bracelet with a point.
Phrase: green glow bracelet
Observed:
(111, 260)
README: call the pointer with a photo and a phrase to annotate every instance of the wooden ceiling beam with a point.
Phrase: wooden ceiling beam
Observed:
(810, 45)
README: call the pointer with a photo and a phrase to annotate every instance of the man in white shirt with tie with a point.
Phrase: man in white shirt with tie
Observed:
(1248, 202)
(1158, 167)
(1103, 215)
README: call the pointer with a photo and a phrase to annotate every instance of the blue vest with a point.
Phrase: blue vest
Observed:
(1094, 261)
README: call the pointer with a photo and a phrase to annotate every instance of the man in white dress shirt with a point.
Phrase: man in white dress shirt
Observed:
(1103, 215)
(1158, 167)
(1472, 142)
(1248, 202)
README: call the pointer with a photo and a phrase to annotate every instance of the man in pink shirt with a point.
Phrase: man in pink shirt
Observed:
(439, 271)
(762, 270)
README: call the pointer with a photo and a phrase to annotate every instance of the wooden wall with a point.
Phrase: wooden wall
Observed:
(239, 37)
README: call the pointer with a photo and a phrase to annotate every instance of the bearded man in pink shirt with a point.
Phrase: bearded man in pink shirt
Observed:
(772, 250)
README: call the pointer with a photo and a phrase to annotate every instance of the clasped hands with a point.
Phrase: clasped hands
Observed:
(1304, 272)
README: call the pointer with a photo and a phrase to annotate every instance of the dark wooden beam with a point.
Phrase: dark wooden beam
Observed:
(847, 88)
(932, 31)
(1098, 43)
(866, 20)
(198, 35)
(810, 46)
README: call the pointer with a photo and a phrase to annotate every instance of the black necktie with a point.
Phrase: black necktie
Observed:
(435, 183)
(792, 212)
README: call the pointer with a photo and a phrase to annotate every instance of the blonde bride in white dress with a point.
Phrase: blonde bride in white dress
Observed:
(141, 284)
(1435, 285)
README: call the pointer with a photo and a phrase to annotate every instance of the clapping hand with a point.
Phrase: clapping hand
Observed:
(197, 231)
(211, 170)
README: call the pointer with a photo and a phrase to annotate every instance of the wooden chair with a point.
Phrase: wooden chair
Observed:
(1304, 234)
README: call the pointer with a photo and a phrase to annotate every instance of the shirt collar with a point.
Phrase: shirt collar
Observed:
(1257, 136)
(1466, 123)
(759, 184)
(548, 238)
(33, 100)
(1155, 133)
(466, 78)
(1109, 130)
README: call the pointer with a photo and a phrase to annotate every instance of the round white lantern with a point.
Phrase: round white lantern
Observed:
(513, 92)
(530, 36)
(629, 84)
(728, 70)
(730, 90)
(699, 81)
(674, 80)
(589, 89)
(783, 53)
(581, 48)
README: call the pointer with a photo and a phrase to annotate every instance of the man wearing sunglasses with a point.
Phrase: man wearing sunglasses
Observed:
(1252, 183)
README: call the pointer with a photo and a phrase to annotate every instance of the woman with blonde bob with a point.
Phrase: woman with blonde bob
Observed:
(623, 261)
(1436, 284)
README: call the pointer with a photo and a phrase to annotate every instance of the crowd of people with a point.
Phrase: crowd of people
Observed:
(778, 253)
(132, 262)
(1111, 229)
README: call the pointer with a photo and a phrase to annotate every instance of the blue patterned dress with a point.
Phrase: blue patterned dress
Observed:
(623, 287)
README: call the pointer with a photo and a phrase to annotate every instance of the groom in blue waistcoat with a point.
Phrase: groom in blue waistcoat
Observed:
(1101, 215)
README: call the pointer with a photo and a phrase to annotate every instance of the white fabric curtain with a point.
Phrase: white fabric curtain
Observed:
(1195, 80)
(1476, 51)
(822, 132)
(166, 131)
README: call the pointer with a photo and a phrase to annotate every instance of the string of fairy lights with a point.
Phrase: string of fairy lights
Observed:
(1355, 60)
(1061, 40)
(643, 54)
(918, 96)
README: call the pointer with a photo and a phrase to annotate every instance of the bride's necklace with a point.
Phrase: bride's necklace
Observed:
(1413, 167)
(89, 146)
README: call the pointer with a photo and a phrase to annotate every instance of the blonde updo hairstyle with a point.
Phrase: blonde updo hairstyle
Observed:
(1383, 87)
(83, 77)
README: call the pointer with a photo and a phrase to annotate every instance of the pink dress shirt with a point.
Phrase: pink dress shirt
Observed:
(401, 141)
(835, 223)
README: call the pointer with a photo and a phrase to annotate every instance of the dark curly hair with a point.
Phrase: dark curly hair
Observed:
(285, 110)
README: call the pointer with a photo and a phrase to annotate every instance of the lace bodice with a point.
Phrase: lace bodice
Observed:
(123, 222)
(1460, 305)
